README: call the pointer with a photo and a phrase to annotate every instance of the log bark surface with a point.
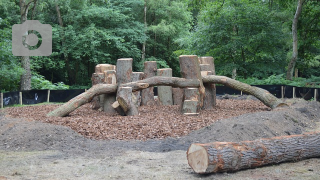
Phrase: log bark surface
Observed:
(177, 96)
(190, 69)
(210, 96)
(165, 92)
(137, 76)
(83, 98)
(147, 95)
(263, 95)
(230, 156)
(109, 99)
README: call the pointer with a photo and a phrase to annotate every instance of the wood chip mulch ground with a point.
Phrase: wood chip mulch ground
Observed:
(153, 122)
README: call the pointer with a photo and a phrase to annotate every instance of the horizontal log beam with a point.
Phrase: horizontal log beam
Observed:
(263, 95)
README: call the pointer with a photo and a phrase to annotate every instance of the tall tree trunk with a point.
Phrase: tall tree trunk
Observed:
(64, 49)
(145, 31)
(294, 58)
(25, 79)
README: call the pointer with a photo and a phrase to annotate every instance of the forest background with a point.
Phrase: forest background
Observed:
(255, 41)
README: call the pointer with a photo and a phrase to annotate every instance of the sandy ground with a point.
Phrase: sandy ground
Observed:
(30, 149)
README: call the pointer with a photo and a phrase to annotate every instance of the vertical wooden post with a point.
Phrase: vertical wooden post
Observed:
(177, 96)
(147, 95)
(48, 96)
(124, 75)
(315, 94)
(210, 102)
(20, 98)
(190, 69)
(1, 100)
(165, 92)
(137, 76)
(282, 92)
(109, 99)
(294, 92)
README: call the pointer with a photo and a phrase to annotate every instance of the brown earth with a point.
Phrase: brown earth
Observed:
(92, 145)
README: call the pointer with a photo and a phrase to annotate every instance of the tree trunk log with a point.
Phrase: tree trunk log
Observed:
(190, 69)
(165, 92)
(177, 96)
(124, 75)
(210, 88)
(97, 78)
(210, 96)
(208, 60)
(263, 95)
(231, 156)
(98, 89)
(83, 98)
(190, 107)
(125, 100)
(147, 95)
(109, 99)
(295, 51)
(137, 76)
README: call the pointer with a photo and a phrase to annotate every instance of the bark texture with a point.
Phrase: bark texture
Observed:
(25, 79)
(147, 95)
(294, 58)
(109, 99)
(263, 95)
(137, 76)
(165, 92)
(177, 96)
(83, 98)
(98, 89)
(230, 156)
(207, 68)
(190, 69)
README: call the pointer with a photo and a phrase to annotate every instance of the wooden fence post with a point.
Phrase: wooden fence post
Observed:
(20, 98)
(1, 100)
(48, 96)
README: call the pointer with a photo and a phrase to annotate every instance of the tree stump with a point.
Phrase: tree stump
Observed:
(100, 68)
(177, 96)
(126, 101)
(190, 107)
(207, 64)
(208, 60)
(98, 102)
(124, 75)
(190, 69)
(97, 78)
(231, 156)
(137, 76)
(210, 96)
(147, 95)
(109, 99)
(165, 92)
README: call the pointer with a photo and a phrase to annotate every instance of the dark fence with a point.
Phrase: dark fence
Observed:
(40, 96)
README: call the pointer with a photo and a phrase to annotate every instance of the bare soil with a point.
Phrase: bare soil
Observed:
(90, 144)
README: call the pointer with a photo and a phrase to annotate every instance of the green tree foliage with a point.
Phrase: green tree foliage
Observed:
(10, 70)
(239, 34)
(91, 35)
(167, 21)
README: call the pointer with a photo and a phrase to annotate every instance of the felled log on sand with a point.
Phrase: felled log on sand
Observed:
(230, 156)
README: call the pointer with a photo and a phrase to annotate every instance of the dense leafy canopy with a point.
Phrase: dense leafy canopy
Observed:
(251, 36)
